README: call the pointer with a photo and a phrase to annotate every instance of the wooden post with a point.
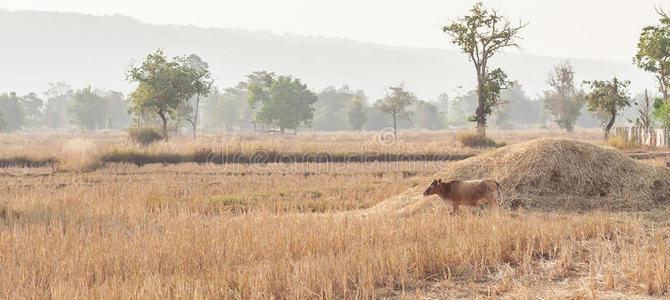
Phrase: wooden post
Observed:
(652, 141)
(644, 141)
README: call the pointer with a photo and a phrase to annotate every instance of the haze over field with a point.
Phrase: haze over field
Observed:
(42, 47)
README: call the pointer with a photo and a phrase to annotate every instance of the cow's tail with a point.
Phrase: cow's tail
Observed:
(500, 195)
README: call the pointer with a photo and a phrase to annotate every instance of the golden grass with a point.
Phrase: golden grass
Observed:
(300, 231)
(621, 143)
(57, 251)
(475, 140)
(80, 155)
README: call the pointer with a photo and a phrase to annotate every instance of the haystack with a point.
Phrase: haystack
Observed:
(553, 174)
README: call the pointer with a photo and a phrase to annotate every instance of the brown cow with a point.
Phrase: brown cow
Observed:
(471, 192)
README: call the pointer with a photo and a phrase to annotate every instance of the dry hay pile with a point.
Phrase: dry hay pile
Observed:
(553, 174)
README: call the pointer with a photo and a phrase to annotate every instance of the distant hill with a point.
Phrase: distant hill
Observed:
(40, 47)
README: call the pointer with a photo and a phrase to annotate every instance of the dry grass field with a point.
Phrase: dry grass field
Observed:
(82, 229)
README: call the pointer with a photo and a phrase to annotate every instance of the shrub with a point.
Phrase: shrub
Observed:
(620, 142)
(144, 136)
(474, 140)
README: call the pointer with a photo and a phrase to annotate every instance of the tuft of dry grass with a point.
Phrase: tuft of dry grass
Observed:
(80, 155)
(475, 140)
(620, 142)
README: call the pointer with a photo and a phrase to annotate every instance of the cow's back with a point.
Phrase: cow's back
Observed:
(470, 191)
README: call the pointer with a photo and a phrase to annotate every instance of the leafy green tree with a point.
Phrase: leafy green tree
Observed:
(31, 105)
(427, 116)
(116, 109)
(608, 98)
(233, 107)
(461, 106)
(88, 110)
(333, 107)
(522, 110)
(163, 85)
(330, 109)
(481, 35)
(201, 83)
(356, 113)
(10, 107)
(226, 109)
(653, 53)
(395, 105)
(443, 103)
(58, 98)
(376, 119)
(564, 102)
(282, 101)
(503, 115)
(661, 113)
(517, 108)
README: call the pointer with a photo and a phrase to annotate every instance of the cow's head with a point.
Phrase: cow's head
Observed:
(432, 189)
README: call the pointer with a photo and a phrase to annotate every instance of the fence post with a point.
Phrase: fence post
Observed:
(636, 133)
(661, 142)
(654, 139)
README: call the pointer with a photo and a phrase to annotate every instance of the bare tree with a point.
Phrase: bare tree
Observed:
(563, 102)
(644, 112)
(202, 86)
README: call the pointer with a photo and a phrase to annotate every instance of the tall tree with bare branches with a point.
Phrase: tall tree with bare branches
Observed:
(564, 102)
(644, 110)
(481, 35)
(201, 82)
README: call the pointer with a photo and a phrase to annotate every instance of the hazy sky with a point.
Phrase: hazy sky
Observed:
(567, 28)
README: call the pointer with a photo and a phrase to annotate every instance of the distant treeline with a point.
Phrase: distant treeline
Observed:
(336, 109)
(343, 109)
(59, 107)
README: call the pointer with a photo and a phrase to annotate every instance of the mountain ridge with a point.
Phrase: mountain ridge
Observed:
(95, 50)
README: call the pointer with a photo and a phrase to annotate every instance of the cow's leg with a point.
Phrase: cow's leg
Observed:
(498, 198)
(492, 200)
(479, 205)
(455, 211)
